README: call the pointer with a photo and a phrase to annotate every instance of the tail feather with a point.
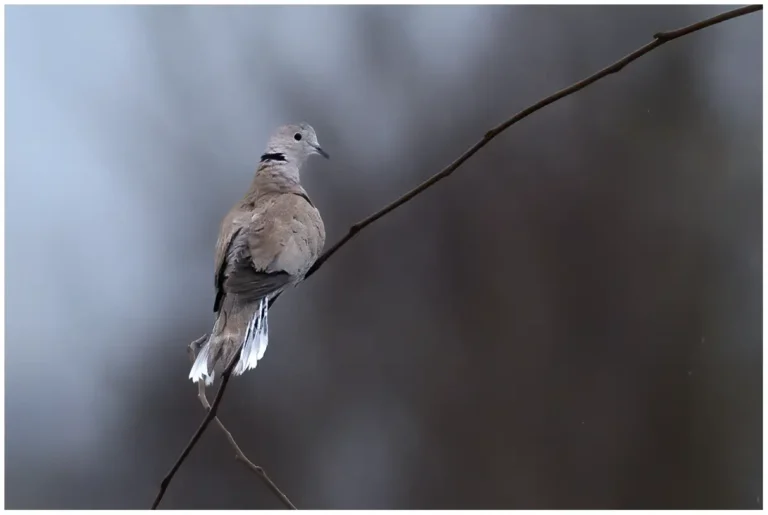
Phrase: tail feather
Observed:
(200, 367)
(255, 341)
(264, 332)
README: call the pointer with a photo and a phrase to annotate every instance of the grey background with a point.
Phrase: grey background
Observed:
(572, 320)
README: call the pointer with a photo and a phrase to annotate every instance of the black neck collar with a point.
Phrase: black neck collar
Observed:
(276, 156)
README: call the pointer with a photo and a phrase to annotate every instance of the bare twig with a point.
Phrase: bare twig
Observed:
(659, 39)
(200, 430)
(239, 454)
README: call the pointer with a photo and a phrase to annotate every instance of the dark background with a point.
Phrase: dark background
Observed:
(572, 320)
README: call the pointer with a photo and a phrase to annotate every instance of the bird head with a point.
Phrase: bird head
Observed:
(294, 143)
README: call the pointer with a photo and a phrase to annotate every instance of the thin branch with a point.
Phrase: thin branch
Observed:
(200, 430)
(239, 454)
(659, 39)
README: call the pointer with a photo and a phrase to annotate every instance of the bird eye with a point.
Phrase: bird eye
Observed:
(297, 136)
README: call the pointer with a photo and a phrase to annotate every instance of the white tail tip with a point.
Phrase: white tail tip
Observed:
(200, 367)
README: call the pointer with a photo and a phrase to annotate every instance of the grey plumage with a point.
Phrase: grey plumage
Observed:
(267, 242)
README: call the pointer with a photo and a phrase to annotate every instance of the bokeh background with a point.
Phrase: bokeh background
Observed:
(571, 320)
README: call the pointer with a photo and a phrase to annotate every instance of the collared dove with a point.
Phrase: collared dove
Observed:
(267, 242)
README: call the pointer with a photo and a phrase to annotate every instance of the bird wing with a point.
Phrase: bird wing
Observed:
(261, 251)
(277, 238)
(228, 233)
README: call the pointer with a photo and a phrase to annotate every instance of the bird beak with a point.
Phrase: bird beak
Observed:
(321, 151)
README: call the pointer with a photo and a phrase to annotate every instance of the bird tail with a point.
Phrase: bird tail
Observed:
(237, 325)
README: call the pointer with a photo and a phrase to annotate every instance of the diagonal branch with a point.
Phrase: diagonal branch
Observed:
(659, 39)
(239, 454)
(200, 430)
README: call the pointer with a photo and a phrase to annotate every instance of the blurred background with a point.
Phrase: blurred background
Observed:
(571, 320)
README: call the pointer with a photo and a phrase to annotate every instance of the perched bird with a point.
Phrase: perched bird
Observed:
(267, 242)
